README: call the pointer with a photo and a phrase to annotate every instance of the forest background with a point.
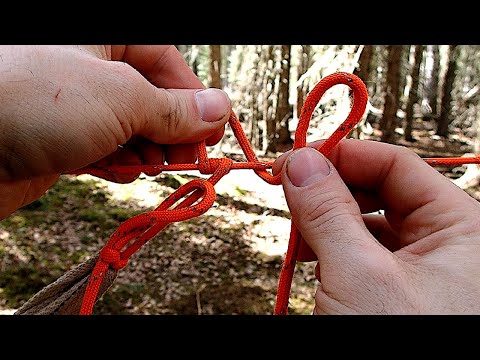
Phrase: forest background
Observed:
(424, 97)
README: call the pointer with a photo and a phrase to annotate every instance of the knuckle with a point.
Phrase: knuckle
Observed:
(407, 153)
(173, 110)
(166, 53)
(329, 210)
(171, 113)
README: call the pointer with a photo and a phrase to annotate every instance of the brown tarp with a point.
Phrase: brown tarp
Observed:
(65, 295)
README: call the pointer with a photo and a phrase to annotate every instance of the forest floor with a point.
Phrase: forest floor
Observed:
(226, 261)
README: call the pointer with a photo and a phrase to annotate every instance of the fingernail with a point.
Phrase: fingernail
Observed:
(306, 166)
(213, 104)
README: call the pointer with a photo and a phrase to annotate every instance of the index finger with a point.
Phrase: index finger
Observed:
(162, 65)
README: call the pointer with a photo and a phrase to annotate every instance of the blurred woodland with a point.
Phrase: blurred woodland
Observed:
(406, 84)
(421, 96)
(425, 97)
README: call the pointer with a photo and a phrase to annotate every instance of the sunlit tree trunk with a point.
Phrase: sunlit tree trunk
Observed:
(363, 68)
(215, 73)
(271, 120)
(268, 88)
(303, 65)
(246, 76)
(193, 61)
(256, 93)
(446, 102)
(432, 78)
(413, 93)
(377, 86)
(392, 96)
(227, 51)
(281, 136)
(376, 76)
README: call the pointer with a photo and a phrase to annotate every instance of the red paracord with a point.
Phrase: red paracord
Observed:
(197, 196)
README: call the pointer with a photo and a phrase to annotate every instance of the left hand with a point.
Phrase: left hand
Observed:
(65, 107)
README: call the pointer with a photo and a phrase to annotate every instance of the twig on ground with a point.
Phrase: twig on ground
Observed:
(197, 295)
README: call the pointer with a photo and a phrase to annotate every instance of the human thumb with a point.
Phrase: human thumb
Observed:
(185, 115)
(325, 212)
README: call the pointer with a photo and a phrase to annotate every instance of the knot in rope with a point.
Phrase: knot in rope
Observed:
(113, 258)
(222, 168)
(208, 166)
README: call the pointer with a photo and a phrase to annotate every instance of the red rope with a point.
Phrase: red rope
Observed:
(199, 195)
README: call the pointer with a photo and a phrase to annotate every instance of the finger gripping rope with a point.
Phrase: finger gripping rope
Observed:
(197, 196)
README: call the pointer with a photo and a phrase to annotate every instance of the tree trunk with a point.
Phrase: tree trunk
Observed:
(253, 132)
(432, 78)
(363, 72)
(392, 95)
(363, 68)
(281, 136)
(303, 66)
(193, 61)
(225, 65)
(413, 93)
(253, 92)
(377, 86)
(268, 89)
(446, 102)
(215, 76)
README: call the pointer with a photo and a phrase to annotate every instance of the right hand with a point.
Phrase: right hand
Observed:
(422, 257)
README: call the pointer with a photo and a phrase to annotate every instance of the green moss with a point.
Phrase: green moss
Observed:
(122, 214)
(15, 221)
(92, 214)
(241, 192)
(68, 189)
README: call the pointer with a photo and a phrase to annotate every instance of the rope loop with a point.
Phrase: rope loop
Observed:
(190, 193)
